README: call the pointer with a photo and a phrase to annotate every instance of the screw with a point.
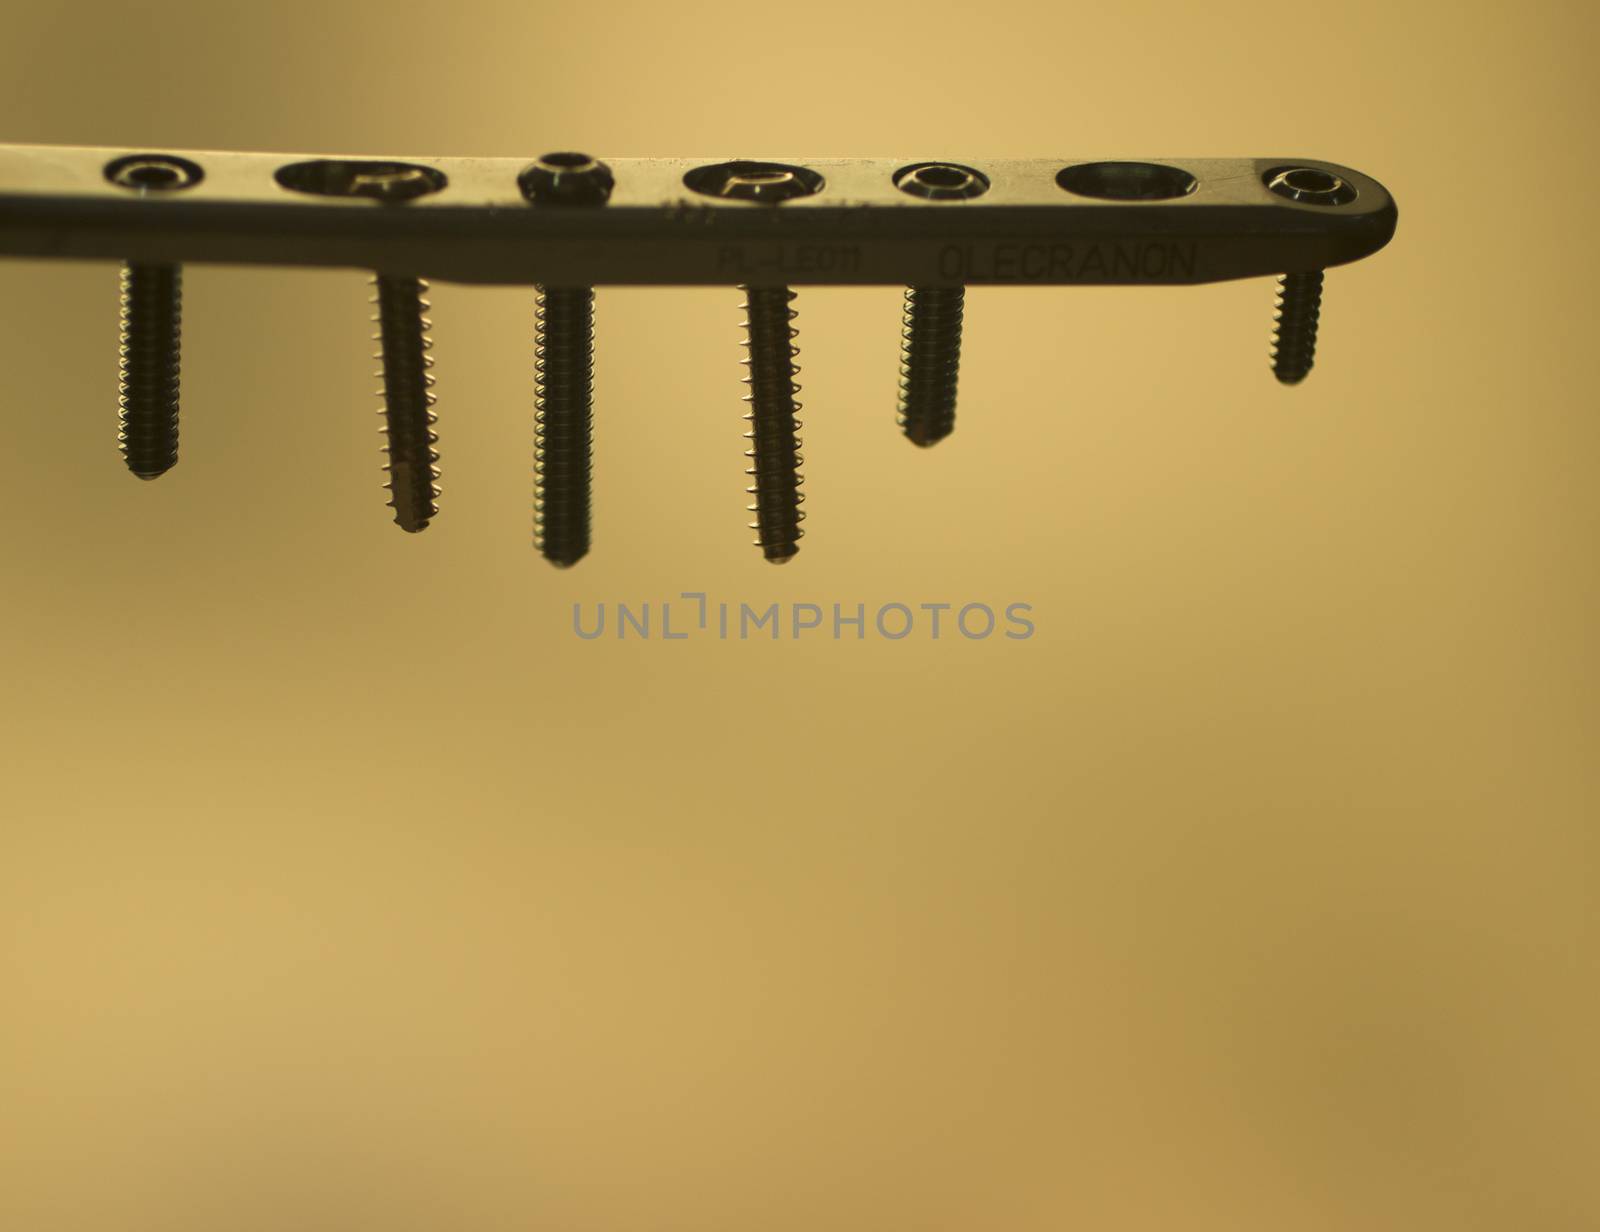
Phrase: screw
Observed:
(408, 399)
(402, 331)
(567, 178)
(774, 451)
(564, 372)
(1300, 295)
(147, 416)
(151, 329)
(930, 338)
(564, 423)
(930, 362)
(1295, 334)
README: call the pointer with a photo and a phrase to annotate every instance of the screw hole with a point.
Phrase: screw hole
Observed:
(941, 181)
(1304, 179)
(743, 180)
(1127, 181)
(1310, 186)
(943, 177)
(338, 177)
(148, 175)
(566, 159)
(153, 172)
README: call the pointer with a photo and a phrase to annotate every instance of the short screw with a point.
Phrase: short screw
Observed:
(564, 372)
(774, 451)
(1295, 335)
(1300, 295)
(930, 363)
(151, 328)
(147, 417)
(408, 400)
(930, 339)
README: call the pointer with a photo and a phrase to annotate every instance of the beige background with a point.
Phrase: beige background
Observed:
(341, 887)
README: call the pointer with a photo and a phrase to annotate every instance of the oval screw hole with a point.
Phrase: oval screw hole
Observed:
(1127, 181)
(380, 180)
(744, 180)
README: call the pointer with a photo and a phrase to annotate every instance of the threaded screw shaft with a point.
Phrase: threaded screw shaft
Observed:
(564, 422)
(408, 400)
(152, 326)
(774, 451)
(930, 362)
(1295, 335)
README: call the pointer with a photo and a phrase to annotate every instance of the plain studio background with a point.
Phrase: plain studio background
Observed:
(342, 887)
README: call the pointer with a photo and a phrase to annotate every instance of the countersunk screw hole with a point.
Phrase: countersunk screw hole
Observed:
(1310, 186)
(941, 181)
(153, 172)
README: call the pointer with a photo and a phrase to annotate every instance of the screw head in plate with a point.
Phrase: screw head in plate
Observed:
(941, 181)
(567, 178)
(1310, 186)
(153, 173)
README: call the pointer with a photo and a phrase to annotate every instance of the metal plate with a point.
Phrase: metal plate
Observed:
(857, 228)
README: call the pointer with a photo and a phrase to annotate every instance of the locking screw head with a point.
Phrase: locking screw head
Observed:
(1310, 186)
(941, 181)
(567, 178)
(153, 173)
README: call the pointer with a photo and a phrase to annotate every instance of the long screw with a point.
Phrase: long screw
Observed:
(564, 423)
(408, 400)
(1295, 335)
(152, 326)
(563, 458)
(930, 362)
(774, 451)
